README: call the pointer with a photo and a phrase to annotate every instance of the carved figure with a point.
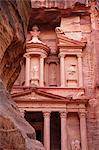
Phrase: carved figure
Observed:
(35, 71)
(72, 69)
(75, 145)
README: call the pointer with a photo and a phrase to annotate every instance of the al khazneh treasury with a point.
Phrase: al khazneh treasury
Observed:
(55, 88)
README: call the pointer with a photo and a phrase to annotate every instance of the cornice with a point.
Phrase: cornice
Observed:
(53, 97)
(65, 42)
(38, 45)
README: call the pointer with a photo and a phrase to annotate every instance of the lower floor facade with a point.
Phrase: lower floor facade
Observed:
(60, 123)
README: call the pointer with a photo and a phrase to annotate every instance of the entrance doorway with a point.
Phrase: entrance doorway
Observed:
(36, 121)
(55, 131)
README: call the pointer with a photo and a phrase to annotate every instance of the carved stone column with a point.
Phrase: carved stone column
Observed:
(63, 116)
(62, 70)
(46, 74)
(83, 130)
(46, 130)
(41, 71)
(80, 70)
(58, 75)
(27, 75)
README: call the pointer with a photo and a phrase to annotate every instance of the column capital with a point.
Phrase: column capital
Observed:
(62, 55)
(46, 114)
(79, 55)
(82, 114)
(63, 118)
(27, 55)
(63, 114)
(42, 56)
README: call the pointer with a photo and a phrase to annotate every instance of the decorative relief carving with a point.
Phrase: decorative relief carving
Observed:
(93, 102)
(71, 70)
(35, 35)
(63, 114)
(75, 145)
(82, 114)
(34, 71)
(46, 114)
(33, 95)
(59, 30)
(78, 95)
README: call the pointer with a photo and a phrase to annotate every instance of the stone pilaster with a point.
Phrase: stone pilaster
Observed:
(63, 116)
(83, 130)
(41, 71)
(46, 130)
(62, 70)
(80, 76)
(27, 75)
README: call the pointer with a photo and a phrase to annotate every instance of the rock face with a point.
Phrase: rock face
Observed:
(14, 16)
(15, 132)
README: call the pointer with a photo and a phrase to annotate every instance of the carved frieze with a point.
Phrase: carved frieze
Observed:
(75, 144)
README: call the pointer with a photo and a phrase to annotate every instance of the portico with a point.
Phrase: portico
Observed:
(47, 104)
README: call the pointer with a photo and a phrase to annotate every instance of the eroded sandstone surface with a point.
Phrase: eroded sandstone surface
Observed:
(15, 132)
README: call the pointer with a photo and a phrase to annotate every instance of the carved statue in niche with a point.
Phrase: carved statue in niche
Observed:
(35, 72)
(34, 78)
(75, 145)
(72, 69)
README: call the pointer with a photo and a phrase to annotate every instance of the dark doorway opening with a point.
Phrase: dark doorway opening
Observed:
(36, 121)
(55, 131)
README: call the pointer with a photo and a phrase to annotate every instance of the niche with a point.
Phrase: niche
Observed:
(71, 71)
(52, 74)
(34, 71)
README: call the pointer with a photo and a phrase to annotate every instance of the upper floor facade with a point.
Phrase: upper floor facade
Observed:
(54, 60)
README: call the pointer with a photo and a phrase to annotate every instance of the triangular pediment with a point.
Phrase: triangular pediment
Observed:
(35, 95)
(39, 96)
(64, 41)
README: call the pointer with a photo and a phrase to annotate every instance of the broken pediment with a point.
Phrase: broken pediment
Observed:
(66, 42)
